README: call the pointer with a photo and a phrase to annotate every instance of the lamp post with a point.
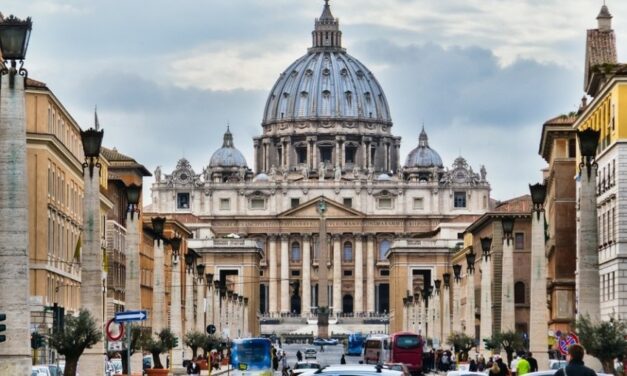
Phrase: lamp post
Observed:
(470, 294)
(485, 329)
(587, 274)
(175, 306)
(508, 318)
(538, 315)
(158, 285)
(15, 352)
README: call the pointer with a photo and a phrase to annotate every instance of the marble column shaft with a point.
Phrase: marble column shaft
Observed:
(285, 279)
(92, 286)
(457, 312)
(359, 275)
(587, 273)
(485, 328)
(189, 300)
(508, 308)
(446, 313)
(158, 288)
(272, 264)
(337, 275)
(200, 305)
(175, 313)
(423, 318)
(132, 288)
(470, 304)
(538, 315)
(306, 284)
(437, 322)
(370, 274)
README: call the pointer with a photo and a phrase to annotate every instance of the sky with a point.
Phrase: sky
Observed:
(167, 76)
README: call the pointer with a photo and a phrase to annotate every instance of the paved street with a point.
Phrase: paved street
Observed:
(331, 354)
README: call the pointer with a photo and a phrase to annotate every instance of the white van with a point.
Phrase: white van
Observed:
(376, 348)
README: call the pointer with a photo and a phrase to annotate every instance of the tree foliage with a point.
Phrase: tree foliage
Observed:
(605, 340)
(509, 341)
(79, 333)
(162, 343)
(211, 342)
(462, 343)
(195, 339)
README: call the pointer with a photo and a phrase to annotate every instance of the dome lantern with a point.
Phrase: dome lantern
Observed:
(423, 156)
(227, 155)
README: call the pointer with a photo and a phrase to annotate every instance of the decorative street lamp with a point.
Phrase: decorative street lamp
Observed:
(437, 284)
(538, 195)
(457, 271)
(133, 192)
(200, 269)
(189, 260)
(91, 139)
(588, 142)
(175, 243)
(508, 227)
(486, 244)
(14, 37)
(157, 227)
(446, 277)
(470, 260)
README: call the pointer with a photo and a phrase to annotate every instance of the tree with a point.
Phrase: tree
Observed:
(137, 336)
(211, 342)
(161, 344)
(509, 341)
(195, 339)
(604, 340)
(79, 333)
(462, 344)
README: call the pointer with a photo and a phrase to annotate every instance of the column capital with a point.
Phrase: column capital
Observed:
(285, 237)
(272, 236)
(307, 236)
(358, 235)
(370, 235)
(336, 237)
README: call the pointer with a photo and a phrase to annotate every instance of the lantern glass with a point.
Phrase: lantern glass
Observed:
(538, 193)
(508, 224)
(588, 142)
(175, 243)
(200, 268)
(486, 243)
(157, 225)
(470, 259)
(446, 277)
(189, 259)
(133, 192)
(437, 283)
(457, 270)
(92, 139)
(14, 37)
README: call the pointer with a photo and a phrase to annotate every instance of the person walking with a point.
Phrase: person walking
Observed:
(502, 366)
(495, 370)
(575, 366)
(533, 363)
(299, 356)
(522, 367)
(284, 366)
(193, 368)
(343, 360)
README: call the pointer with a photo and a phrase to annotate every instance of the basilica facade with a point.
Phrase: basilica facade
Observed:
(326, 142)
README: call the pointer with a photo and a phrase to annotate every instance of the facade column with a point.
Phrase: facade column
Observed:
(587, 275)
(370, 274)
(285, 279)
(158, 288)
(470, 302)
(201, 308)
(429, 322)
(437, 322)
(132, 292)
(337, 275)
(288, 150)
(247, 332)
(309, 156)
(175, 316)
(405, 325)
(272, 263)
(338, 154)
(314, 158)
(457, 312)
(538, 315)
(15, 353)
(306, 282)
(423, 317)
(485, 329)
(92, 283)
(508, 309)
(189, 300)
(359, 275)
(446, 312)
(343, 155)
(217, 307)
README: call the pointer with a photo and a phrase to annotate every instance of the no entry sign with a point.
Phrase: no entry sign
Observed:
(115, 331)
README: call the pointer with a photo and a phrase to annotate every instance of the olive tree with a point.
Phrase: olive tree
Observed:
(79, 333)
(605, 340)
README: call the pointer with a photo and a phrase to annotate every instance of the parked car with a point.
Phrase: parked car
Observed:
(466, 373)
(305, 366)
(311, 354)
(325, 342)
(355, 370)
(40, 371)
(557, 364)
(55, 370)
(398, 367)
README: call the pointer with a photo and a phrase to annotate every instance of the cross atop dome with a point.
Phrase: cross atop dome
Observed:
(423, 139)
(228, 138)
(327, 34)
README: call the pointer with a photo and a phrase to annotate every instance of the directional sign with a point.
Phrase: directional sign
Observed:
(127, 316)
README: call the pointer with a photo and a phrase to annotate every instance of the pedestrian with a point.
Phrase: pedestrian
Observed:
(502, 366)
(533, 363)
(284, 366)
(343, 360)
(575, 366)
(522, 367)
(275, 359)
(299, 355)
(321, 348)
(514, 363)
(193, 368)
(472, 366)
(494, 370)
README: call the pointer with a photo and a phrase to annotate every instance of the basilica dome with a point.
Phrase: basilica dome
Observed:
(423, 155)
(227, 155)
(327, 83)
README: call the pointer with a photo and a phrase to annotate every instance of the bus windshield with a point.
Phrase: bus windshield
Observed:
(407, 342)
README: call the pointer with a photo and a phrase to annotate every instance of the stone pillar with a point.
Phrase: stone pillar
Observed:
(158, 288)
(306, 282)
(189, 300)
(508, 309)
(176, 326)
(446, 314)
(470, 303)
(359, 275)
(343, 156)
(15, 353)
(429, 321)
(132, 292)
(405, 322)
(247, 332)
(309, 156)
(92, 285)
(457, 312)
(337, 275)
(437, 322)
(285, 278)
(587, 275)
(370, 274)
(217, 309)
(485, 329)
(314, 157)
(272, 262)
(423, 318)
(538, 314)
(338, 153)
(200, 305)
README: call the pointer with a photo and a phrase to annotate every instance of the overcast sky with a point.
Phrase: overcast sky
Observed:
(483, 75)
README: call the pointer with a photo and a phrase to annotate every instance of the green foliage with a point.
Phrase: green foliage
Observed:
(509, 341)
(211, 342)
(78, 334)
(604, 340)
(462, 344)
(162, 343)
(138, 333)
(194, 340)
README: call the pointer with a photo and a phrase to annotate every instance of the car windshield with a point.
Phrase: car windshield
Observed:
(307, 365)
(373, 344)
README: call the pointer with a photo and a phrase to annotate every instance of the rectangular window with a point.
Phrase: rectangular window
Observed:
(348, 273)
(460, 199)
(384, 203)
(225, 204)
(301, 154)
(460, 235)
(385, 272)
(295, 273)
(326, 152)
(257, 203)
(418, 203)
(294, 202)
(182, 200)
(519, 240)
(348, 202)
(349, 156)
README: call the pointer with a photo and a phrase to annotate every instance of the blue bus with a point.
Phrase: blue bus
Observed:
(252, 356)
(355, 344)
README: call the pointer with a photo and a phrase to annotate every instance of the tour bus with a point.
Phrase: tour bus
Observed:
(252, 356)
(406, 348)
(376, 348)
(355, 344)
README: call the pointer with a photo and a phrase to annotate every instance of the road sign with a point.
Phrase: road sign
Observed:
(566, 341)
(211, 329)
(115, 345)
(127, 316)
(114, 330)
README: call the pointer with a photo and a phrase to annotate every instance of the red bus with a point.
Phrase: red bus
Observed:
(406, 348)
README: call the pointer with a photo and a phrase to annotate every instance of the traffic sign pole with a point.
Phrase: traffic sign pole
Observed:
(128, 350)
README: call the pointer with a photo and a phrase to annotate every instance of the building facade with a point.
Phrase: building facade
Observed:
(327, 138)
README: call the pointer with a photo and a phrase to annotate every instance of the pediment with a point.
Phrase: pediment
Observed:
(309, 209)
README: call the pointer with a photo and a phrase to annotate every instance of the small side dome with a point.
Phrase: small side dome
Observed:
(227, 155)
(261, 177)
(423, 156)
(384, 177)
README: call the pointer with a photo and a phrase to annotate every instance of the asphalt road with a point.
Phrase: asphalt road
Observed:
(331, 354)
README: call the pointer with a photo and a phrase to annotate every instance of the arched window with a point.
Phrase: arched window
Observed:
(519, 293)
(295, 251)
(348, 252)
(384, 246)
